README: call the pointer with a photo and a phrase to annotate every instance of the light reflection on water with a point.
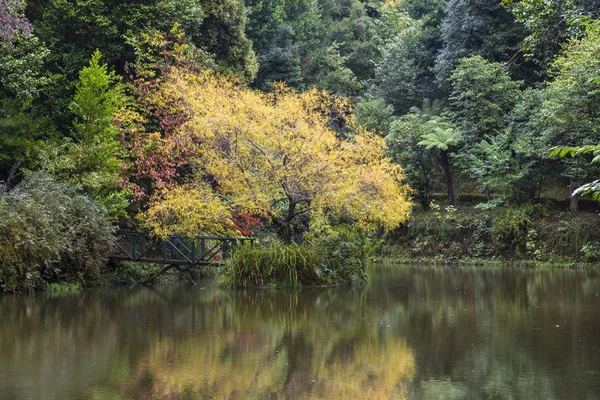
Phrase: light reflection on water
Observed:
(414, 332)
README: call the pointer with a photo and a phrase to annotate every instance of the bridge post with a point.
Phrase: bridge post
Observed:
(134, 247)
(193, 251)
(225, 249)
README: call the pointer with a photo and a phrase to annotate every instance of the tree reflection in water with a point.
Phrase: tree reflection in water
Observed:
(413, 333)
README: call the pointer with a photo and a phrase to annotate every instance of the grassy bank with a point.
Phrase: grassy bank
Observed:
(529, 235)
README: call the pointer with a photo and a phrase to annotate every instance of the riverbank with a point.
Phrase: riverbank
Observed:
(529, 235)
(125, 274)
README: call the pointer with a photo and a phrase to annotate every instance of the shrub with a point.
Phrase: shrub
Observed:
(50, 232)
(343, 252)
(530, 232)
(510, 228)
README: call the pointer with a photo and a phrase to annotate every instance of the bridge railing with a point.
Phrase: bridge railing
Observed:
(175, 249)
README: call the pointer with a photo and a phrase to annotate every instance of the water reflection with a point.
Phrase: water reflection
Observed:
(415, 332)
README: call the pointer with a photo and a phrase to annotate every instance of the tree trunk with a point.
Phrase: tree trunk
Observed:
(445, 162)
(574, 202)
(286, 225)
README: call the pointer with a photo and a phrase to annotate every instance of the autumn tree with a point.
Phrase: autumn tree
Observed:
(274, 155)
(155, 159)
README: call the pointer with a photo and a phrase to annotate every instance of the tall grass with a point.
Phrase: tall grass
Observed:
(276, 263)
(291, 266)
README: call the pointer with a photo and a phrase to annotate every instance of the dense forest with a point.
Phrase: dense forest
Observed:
(297, 119)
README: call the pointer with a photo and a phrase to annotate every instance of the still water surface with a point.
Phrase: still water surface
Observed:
(414, 332)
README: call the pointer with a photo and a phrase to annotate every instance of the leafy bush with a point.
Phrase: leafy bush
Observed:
(50, 232)
(591, 251)
(510, 228)
(343, 251)
(529, 232)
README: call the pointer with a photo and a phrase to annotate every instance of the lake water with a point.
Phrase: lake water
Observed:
(414, 332)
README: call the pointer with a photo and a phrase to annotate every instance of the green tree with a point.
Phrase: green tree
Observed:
(375, 115)
(395, 73)
(442, 136)
(427, 45)
(74, 29)
(419, 164)
(569, 115)
(271, 27)
(482, 96)
(550, 24)
(24, 119)
(570, 111)
(330, 44)
(496, 166)
(480, 27)
(526, 127)
(591, 188)
(90, 158)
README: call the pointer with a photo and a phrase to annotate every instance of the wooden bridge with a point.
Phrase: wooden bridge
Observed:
(175, 251)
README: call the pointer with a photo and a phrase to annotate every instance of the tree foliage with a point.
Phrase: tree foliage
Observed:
(74, 29)
(482, 96)
(274, 155)
(550, 24)
(23, 118)
(591, 188)
(12, 20)
(91, 158)
(329, 44)
(480, 27)
(496, 165)
(571, 116)
(419, 163)
(374, 115)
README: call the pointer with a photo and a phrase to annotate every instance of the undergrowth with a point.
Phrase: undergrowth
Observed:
(529, 234)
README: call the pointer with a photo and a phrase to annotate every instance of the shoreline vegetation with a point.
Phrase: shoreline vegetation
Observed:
(525, 237)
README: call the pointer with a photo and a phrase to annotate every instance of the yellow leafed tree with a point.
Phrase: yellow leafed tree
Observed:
(273, 155)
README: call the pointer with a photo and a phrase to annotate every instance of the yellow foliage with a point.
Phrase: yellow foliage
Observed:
(275, 153)
(193, 210)
(224, 365)
(378, 370)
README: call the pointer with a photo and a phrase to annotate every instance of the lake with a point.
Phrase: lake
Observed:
(414, 332)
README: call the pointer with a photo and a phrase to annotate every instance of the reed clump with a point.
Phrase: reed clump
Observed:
(279, 265)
